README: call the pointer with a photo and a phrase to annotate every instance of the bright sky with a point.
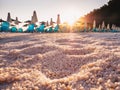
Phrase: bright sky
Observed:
(69, 10)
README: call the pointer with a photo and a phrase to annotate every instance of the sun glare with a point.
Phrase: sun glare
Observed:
(70, 19)
(71, 16)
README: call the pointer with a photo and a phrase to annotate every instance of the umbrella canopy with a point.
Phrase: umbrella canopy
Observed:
(58, 19)
(17, 21)
(2, 20)
(51, 21)
(103, 25)
(34, 18)
(9, 17)
(108, 27)
(94, 24)
(47, 23)
(28, 21)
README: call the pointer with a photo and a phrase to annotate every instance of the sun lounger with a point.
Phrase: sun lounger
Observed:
(40, 28)
(31, 28)
(56, 28)
(13, 29)
(20, 30)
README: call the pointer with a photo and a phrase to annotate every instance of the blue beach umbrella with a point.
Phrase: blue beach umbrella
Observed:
(5, 26)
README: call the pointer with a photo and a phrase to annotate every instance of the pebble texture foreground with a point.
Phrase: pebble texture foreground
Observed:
(60, 61)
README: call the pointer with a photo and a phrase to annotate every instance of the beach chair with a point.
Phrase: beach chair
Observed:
(41, 28)
(0, 28)
(85, 30)
(5, 26)
(102, 30)
(20, 30)
(46, 29)
(56, 28)
(31, 28)
(50, 29)
(13, 29)
(114, 31)
(95, 30)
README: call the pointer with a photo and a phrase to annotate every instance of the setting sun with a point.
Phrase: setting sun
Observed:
(70, 20)
(71, 15)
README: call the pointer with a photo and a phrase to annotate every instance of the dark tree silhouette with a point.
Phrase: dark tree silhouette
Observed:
(109, 13)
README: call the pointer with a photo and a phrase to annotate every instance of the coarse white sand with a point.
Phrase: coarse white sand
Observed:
(60, 61)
